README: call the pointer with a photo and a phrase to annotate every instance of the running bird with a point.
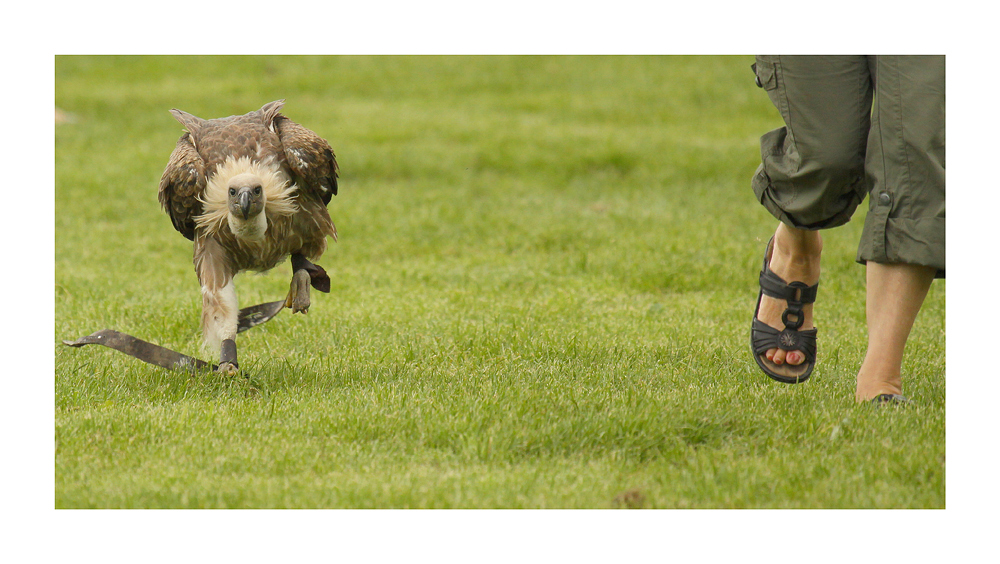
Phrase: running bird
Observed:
(250, 191)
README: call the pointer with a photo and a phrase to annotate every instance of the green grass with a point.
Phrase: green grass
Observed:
(541, 299)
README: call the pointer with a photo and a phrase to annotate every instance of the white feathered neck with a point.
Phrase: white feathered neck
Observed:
(279, 192)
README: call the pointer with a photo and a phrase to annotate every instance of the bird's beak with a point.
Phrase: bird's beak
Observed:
(245, 204)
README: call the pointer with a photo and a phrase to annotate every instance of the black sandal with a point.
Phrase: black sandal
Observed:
(892, 399)
(764, 337)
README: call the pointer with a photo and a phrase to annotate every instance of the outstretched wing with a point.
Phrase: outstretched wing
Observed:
(309, 157)
(183, 181)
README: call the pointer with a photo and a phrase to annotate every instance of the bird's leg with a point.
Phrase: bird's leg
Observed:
(304, 274)
(227, 358)
(219, 320)
(220, 310)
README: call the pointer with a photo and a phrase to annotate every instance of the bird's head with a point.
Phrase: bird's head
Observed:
(245, 196)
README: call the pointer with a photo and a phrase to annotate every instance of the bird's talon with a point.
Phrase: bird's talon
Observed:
(228, 368)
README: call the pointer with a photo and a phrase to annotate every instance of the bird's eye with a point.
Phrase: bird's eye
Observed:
(256, 191)
(232, 191)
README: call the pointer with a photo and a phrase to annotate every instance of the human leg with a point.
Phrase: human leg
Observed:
(903, 243)
(812, 173)
(895, 294)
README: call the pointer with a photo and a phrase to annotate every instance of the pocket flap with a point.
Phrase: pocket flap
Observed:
(765, 75)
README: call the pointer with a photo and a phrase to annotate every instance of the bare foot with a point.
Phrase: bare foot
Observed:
(795, 258)
(894, 294)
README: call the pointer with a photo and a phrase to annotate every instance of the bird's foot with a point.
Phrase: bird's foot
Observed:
(227, 359)
(298, 292)
(317, 275)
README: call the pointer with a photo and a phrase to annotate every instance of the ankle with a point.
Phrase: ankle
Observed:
(797, 244)
(793, 264)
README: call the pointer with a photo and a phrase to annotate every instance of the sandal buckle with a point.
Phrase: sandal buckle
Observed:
(790, 311)
(788, 340)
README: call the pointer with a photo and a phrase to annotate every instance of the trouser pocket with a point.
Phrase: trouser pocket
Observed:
(763, 69)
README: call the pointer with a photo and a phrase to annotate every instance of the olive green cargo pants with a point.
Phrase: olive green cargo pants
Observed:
(836, 147)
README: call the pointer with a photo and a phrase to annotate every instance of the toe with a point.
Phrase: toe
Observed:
(779, 357)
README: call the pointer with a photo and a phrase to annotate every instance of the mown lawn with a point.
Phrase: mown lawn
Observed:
(541, 299)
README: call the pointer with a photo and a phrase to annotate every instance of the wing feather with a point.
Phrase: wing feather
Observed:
(310, 158)
(182, 183)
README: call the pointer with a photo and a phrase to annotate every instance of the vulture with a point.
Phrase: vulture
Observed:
(249, 191)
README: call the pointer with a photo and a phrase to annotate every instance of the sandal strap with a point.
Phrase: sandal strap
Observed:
(795, 294)
(766, 337)
(776, 287)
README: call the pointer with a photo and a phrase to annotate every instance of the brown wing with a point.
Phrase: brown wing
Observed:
(310, 158)
(182, 182)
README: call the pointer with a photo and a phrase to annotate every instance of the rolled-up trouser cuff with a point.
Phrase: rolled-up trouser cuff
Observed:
(787, 207)
(903, 241)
